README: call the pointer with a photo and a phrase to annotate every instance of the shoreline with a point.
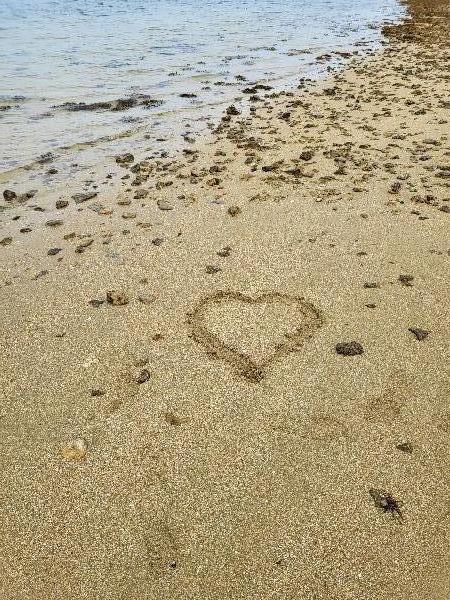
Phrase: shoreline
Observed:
(229, 378)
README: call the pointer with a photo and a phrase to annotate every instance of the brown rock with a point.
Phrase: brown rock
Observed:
(116, 298)
(349, 348)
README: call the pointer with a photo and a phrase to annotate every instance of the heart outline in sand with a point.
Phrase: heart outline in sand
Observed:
(312, 320)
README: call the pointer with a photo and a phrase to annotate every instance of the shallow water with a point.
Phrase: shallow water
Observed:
(55, 51)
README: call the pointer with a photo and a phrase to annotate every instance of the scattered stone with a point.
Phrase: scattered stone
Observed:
(61, 204)
(371, 285)
(83, 196)
(406, 447)
(75, 449)
(113, 105)
(143, 376)
(445, 208)
(140, 194)
(386, 502)
(395, 187)
(9, 195)
(40, 274)
(406, 280)
(25, 230)
(234, 210)
(232, 111)
(129, 215)
(212, 269)
(6, 241)
(54, 251)
(349, 348)
(224, 252)
(306, 155)
(420, 334)
(158, 241)
(173, 419)
(164, 205)
(371, 305)
(82, 247)
(123, 159)
(54, 223)
(116, 298)
(96, 393)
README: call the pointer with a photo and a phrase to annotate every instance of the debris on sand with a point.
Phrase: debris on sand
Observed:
(116, 298)
(75, 449)
(349, 348)
(420, 334)
(386, 502)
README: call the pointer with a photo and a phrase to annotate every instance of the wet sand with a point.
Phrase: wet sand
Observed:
(226, 374)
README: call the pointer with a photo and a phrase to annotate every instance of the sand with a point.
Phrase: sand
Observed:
(195, 433)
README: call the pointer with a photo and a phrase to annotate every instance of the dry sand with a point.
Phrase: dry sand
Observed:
(199, 436)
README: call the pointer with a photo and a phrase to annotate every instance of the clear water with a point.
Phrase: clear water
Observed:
(53, 51)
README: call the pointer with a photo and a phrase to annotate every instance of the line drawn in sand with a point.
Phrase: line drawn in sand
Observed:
(301, 320)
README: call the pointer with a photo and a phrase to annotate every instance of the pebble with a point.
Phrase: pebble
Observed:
(82, 247)
(75, 449)
(9, 195)
(406, 280)
(61, 204)
(6, 241)
(224, 252)
(122, 159)
(54, 223)
(349, 348)
(406, 447)
(212, 269)
(164, 205)
(234, 210)
(143, 376)
(173, 419)
(420, 334)
(54, 251)
(83, 196)
(116, 298)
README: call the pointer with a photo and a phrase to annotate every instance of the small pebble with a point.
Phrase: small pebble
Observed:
(75, 449)
(143, 376)
(349, 348)
(420, 334)
(116, 298)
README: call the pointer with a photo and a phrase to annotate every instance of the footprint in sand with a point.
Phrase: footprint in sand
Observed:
(250, 333)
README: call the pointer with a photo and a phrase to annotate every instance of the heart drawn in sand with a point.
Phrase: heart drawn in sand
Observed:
(251, 333)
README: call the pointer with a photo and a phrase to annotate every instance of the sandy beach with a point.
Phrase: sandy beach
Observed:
(224, 372)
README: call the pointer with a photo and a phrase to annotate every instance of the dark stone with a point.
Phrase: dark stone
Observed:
(116, 298)
(9, 195)
(406, 447)
(83, 196)
(212, 269)
(143, 376)
(349, 348)
(307, 155)
(234, 210)
(406, 280)
(420, 334)
(122, 159)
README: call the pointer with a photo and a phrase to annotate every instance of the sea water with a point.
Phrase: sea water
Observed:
(57, 51)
